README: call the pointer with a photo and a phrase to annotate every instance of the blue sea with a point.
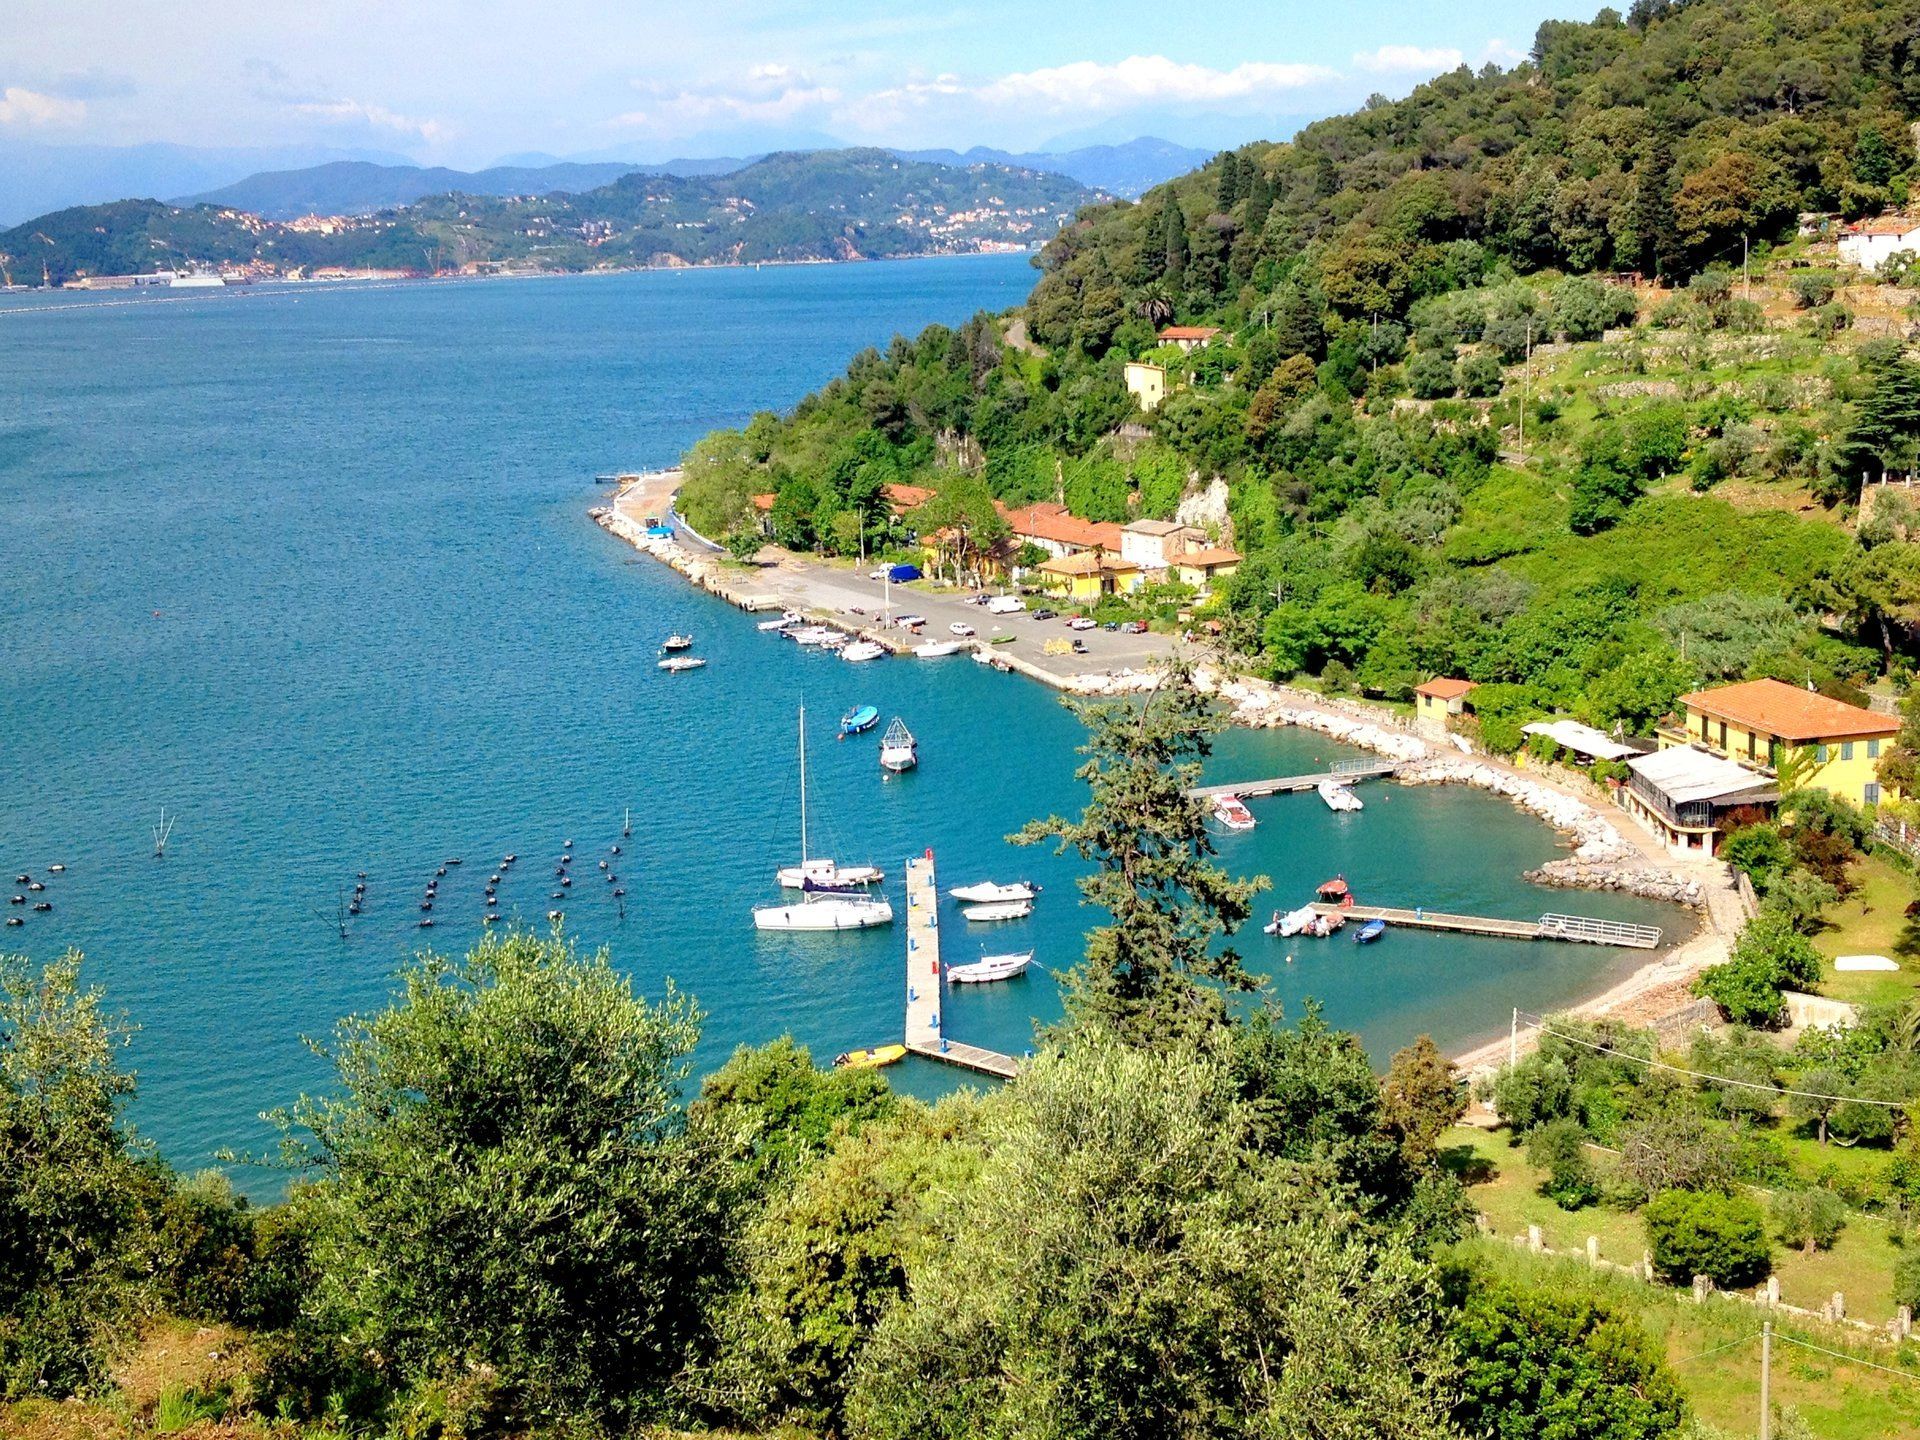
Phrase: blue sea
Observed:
(310, 568)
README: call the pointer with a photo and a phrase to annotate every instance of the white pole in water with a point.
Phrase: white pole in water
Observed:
(1513, 1040)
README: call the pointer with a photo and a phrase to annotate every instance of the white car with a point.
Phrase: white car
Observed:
(962, 629)
(879, 574)
(909, 622)
(1081, 622)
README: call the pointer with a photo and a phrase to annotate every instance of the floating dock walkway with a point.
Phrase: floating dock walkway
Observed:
(1347, 772)
(1548, 927)
(924, 998)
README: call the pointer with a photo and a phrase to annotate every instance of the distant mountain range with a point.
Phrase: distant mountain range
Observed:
(1130, 169)
(817, 205)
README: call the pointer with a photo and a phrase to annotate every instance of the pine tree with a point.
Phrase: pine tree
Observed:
(1662, 252)
(1153, 974)
(1259, 200)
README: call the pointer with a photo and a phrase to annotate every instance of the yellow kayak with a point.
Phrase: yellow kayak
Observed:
(871, 1058)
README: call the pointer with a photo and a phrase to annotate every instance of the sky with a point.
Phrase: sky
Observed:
(464, 82)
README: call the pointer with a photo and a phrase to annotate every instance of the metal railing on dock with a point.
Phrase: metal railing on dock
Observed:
(1548, 927)
(924, 1032)
(1346, 772)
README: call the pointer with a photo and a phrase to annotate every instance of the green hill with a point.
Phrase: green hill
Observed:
(1490, 396)
(822, 205)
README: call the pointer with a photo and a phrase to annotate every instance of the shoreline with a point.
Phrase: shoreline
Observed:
(1603, 854)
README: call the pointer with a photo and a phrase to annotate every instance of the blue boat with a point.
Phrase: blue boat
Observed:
(1369, 932)
(860, 718)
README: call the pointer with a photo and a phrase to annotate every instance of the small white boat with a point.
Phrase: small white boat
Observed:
(988, 893)
(1294, 922)
(816, 635)
(1232, 812)
(836, 640)
(1003, 910)
(863, 650)
(963, 630)
(988, 968)
(677, 642)
(936, 649)
(788, 619)
(982, 655)
(1338, 797)
(674, 664)
(898, 749)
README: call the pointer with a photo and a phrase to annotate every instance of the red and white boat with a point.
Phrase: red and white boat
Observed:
(1232, 812)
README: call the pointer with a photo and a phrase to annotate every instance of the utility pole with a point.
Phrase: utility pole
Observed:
(1526, 390)
(1513, 1040)
(1767, 1381)
(1746, 283)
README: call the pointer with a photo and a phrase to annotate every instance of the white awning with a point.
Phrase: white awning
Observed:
(1583, 739)
(1684, 774)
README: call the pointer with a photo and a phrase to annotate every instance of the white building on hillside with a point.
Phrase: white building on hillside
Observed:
(1868, 243)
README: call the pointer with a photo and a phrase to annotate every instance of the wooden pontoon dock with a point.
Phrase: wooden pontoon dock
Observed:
(1347, 772)
(1548, 927)
(924, 995)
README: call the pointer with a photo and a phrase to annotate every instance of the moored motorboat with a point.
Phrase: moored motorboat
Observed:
(898, 749)
(858, 720)
(1232, 812)
(1294, 922)
(816, 635)
(989, 968)
(677, 664)
(1338, 797)
(988, 892)
(863, 650)
(999, 910)
(938, 649)
(677, 642)
(1369, 932)
(1335, 892)
(787, 618)
(870, 1058)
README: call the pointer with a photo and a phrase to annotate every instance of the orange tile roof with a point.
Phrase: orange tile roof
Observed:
(906, 497)
(1774, 707)
(763, 502)
(1884, 225)
(1444, 687)
(1189, 332)
(1217, 556)
(1046, 520)
(1089, 563)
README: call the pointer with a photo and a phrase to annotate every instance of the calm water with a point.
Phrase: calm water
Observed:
(312, 570)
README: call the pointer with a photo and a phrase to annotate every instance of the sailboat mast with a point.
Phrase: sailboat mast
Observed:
(803, 785)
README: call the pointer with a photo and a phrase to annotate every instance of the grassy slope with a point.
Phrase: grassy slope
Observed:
(1867, 923)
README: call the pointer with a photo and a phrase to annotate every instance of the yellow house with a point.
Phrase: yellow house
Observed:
(1439, 698)
(1200, 567)
(1085, 577)
(1146, 383)
(1762, 722)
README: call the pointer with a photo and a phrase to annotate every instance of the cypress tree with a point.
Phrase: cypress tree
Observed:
(1174, 245)
(1230, 189)
(1259, 200)
(1662, 252)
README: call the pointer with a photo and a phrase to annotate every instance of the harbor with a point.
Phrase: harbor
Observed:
(925, 1010)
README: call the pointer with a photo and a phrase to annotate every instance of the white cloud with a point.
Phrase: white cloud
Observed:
(378, 117)
(30, 108)
(1504, 53)
(768, 94)
(1408, 60)
(1147, 79)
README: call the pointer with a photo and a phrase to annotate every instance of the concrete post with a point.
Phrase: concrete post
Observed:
(1534, 1242)
(1839, 1306)
(1646, 1265)
(1702, 1287)
(1773, 1289)
(1593, 1251)
(1903, 1321)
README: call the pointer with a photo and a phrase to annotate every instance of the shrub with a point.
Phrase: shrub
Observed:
(1770, 956)
(1430, 375)
(1480, 377)
(1533, 1092)
(1560, 1148)
(1813, 288)
(1723, 1237)
(1906, 1281)
(1808, 1219)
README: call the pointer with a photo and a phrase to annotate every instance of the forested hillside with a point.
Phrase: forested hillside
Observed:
(1492, 395)
(822, 205)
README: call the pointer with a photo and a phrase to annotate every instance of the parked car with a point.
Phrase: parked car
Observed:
(879, 574)
(1080, 622)
(1044, 614)
(1133, 627)
(1109, 624)
(962, 629)
(1079, 647)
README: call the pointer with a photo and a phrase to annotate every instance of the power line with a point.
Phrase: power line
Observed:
(1743, 1340)
(1546, 1029)
(1849, 1359)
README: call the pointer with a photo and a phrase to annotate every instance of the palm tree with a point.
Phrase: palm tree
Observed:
(1155, 304)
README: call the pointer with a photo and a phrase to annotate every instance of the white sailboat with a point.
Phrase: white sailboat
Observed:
(898, 749)
(818, 871)
(825, 909)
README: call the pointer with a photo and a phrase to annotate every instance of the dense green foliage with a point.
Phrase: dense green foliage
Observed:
(1693, 1232)
(821, 205)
